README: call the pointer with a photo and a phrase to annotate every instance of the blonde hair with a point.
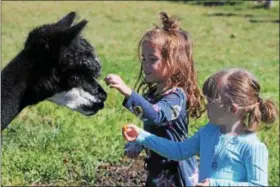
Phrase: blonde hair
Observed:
(176, 51)
(242, 89)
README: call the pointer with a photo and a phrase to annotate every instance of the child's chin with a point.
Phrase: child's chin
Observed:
(148, 80)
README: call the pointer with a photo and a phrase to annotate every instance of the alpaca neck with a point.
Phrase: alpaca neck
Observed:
(14, 81)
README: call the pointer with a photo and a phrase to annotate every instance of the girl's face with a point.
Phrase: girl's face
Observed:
(219, 113)
(154, 68)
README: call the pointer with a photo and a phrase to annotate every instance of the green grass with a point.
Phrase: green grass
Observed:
(53, 145)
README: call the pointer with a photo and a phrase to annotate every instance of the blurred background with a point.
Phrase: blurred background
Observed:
(51, 145)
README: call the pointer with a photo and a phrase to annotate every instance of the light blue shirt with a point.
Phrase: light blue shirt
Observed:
(241, 160)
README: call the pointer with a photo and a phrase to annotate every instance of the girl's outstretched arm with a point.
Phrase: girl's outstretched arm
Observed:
(170, 149)
(167, 109)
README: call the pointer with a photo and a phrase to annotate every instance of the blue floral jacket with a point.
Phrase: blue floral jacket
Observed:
(165, 115)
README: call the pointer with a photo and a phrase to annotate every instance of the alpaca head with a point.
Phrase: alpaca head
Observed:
(66, 67)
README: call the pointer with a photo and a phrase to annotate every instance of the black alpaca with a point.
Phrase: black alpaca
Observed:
(56, 64)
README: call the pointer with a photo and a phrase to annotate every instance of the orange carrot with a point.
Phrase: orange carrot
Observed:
(125, 128)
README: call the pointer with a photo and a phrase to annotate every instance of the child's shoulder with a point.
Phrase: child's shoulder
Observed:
(208, 129)
(175, 91)
(252, 142)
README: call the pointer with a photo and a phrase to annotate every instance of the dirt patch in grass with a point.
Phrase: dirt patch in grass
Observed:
(128, 172)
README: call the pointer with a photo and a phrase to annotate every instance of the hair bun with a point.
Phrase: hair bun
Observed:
(169, 23)
(269, 111)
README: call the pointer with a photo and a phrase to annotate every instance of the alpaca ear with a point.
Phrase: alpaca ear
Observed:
(70, 33)
(67, 20)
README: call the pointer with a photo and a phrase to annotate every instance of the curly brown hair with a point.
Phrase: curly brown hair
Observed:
(239, 87)
(176, 51)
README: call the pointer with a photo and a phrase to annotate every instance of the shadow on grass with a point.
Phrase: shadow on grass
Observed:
(261, 6)
(217, 3)
(219, 14)
(209, 3)
(264, 21)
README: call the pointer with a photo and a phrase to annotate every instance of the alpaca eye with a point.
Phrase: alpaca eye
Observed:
(47, 46)
(74, 79)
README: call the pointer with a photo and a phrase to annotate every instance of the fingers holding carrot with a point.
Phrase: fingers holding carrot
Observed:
(130, 132)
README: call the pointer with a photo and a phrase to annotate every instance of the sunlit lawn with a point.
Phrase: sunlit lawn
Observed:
(43, 137)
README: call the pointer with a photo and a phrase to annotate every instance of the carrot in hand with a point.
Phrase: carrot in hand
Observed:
(125, 128)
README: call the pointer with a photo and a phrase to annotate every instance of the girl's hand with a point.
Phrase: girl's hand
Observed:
(204, 183)
(115, 81)
(130, 132)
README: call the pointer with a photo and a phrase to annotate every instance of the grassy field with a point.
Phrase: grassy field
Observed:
(48, 144)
